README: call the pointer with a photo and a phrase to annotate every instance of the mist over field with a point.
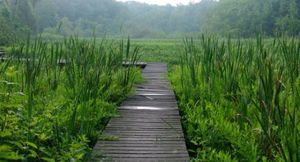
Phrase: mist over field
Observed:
(142, 20)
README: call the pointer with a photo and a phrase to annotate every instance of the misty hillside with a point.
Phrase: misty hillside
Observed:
(117, 18)
(109, 17)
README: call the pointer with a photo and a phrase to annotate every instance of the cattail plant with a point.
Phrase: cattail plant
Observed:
(251, 84)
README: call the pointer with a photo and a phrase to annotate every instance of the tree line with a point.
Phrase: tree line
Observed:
(243, 18)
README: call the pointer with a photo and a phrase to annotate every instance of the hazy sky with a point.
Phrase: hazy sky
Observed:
(164, 2)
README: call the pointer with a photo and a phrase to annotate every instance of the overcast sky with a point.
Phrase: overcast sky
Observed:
(164, 2)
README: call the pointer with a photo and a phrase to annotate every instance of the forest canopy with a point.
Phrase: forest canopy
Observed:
(242, 18)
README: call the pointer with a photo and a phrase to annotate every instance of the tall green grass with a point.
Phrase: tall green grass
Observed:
(56, 97)
(239, 98)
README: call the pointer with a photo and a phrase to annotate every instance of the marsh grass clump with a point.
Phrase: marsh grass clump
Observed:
(56, 97)
(239, 98)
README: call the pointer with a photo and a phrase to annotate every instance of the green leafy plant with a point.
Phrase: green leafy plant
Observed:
(239, 98)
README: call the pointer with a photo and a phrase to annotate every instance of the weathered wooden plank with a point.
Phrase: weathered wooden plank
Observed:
(174, 144)
(145, 152)
(152, 90)
(153, 97)
(165, 104)
(148, 127)
(144, 122)
(137, 120)
(149, 159)
(152, 117)
(154, 94)
(147, 139)
(133, 159)
(142, 129)
(124, 155)
(173, 117)
(145, 144)
(143, 149)
(144, 133)
(156, 136)
(162, 87)
(144, 125)
(143, 112)
(151, 111)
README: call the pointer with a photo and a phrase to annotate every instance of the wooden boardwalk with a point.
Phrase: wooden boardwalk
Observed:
(149, 127)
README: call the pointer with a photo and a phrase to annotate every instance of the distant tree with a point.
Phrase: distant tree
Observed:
(66, 27)
(248, 17)
(289, 18)
(111, 17)
(6, 32)
(46, 14)
(238, 18)
(6, 35)
(21, 15)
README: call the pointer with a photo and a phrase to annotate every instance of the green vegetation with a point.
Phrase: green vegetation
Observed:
(240, 98)
(162, 50)
(56, 97)
(246, 18)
